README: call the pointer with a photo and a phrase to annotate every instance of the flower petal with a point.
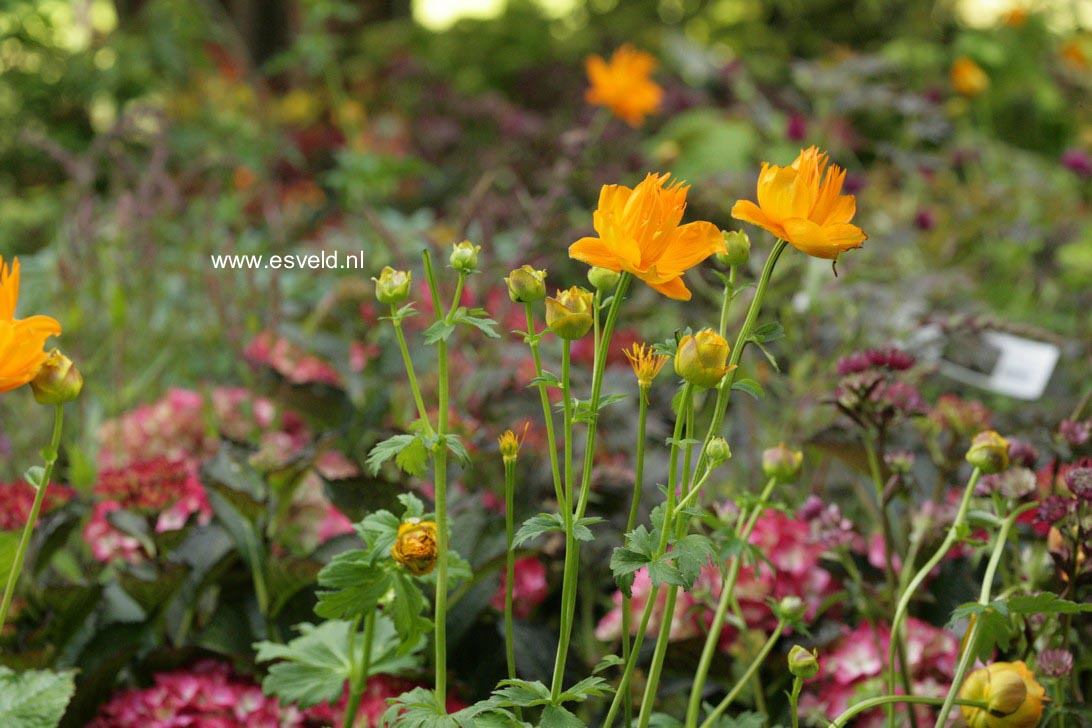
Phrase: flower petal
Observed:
(672, 288)
(689, 245)
(748, 211)
(594, 251)
(823, 241)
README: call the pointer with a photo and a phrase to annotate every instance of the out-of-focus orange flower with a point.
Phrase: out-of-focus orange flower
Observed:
(1014, 696)
(968, 78)
(22, 342)
(1073, 54)
(624, 85)
(639, 232)
(1015, 18)
(800, 204)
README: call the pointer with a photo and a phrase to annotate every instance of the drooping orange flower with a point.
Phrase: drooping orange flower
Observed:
(1015, 698)
(22, 342)
(624, 84)
(804, 206)
(639, 233)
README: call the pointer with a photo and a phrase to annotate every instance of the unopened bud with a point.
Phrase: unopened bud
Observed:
(803, 663)
(782, 464)
(569, 314)
(792, 608)
(392, 286)
(603, 279)
(718, 451)
(738, 247)
(416, 546)
(989, 452)
(702, 358)
(526, 285)
(57, 381)
(464, 256)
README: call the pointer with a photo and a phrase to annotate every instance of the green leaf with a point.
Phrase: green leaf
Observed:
(769, 356)
(581, 532)
(608, 662)
(355, 583)
(35, 698)
(768, 332)
(547, 378)
(1044, 603)
(405, 611)
(554, 716)
(413, 458)
(392, 446)
(589, 687)
(749, 386)
(690, 554)
(536, 526)
(439, 331)
(522, 693)
(34, 476)
(419, 709)
(479, 319)
(455, 445)
(379, 530)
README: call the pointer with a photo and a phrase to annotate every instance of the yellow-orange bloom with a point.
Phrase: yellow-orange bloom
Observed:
(22, 342)
(800, 204)
(510, 443)
(1014, 696)
(968, 78)
(417, 546)
(639, 232)
(624, 85)
(646, 363)
(1073, 54)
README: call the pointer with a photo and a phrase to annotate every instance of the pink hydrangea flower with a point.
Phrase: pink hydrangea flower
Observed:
(684, 624)
(290, 360)
(529, 587)
(17, 498)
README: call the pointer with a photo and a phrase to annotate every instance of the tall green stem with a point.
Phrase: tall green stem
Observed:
(358, 681)
(967, 659)
(510, 567)
(744, 527)
(955, 533)
(843, 719)
(422, 412)
(547, 412)
(752, 669)
(50, 457)
(631, 523)
(572, 547)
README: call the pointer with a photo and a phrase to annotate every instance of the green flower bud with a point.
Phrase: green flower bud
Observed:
(718, 451)
(604, 279)
(464, 256)
(792, 608)
(738, 246)
(702, 358)
(782, 464)
(392, 286)
(526, 285)
(569, 315)
(57, 381)
(803, 663)
(989, 452)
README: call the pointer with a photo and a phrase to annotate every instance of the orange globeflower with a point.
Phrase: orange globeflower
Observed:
(798, 204)
(968, 78)
(623, 84)
(21, 341)
(639, 233)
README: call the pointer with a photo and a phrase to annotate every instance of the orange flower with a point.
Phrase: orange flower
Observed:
(21, 341)
(646, 364)
(800, 205)
(1014, 696)
(968, 78)
(639, 233)
(623, 85)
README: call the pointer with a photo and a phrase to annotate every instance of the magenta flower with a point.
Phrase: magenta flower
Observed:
(529, 587)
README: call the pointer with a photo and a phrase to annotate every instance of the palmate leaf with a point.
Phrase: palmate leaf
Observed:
(354, 583)
(545, 522)
(35, 698)
(994, 624)
(419, 709)
(409, 451)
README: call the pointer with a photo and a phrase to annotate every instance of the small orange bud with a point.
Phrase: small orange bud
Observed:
(416, 547)
(569, 314)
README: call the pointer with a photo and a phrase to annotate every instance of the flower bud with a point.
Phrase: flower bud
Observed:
(603, 279)
(392, 286)
(702, 358)
(989, 452)
(782, 464)
(57, 381)
(803, 663)
(526, 285)
(1015, 698)
(464, 256)
(718, 451)
(569, 315)
(416, 546)
(792, 608)
(510, 444)
(738, 247)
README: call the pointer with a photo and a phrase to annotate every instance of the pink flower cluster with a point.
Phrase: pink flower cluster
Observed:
(17, 498)
(889, 358)
(166, 490)
(208, 695)
(794, 553)
(529, 587)
(290, 360)
(853, 669)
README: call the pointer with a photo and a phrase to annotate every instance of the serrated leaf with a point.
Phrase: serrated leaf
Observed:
(608, 662)
(548, 378)
(405, 611)
(479, 319)
(749, 386)
(535, 526)
(34, 476)
(386, 449)
(439, 331)
(589, 687)
(690, 554)
(769, 356)
(353, 584)
(413, 458)
(522, 693)
(554, 716)
(768, 332)
(455, 445)
(34, 698)
(581, 532)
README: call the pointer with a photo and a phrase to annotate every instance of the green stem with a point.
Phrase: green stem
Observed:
(955, 533)
(410, 373)
(50, 457)
(744, 528)
(359, 678)
(547, 412)
(567, 404)
(510, 567)
(842, 720)
(572, 547)
(967, 659)
(668, 617)
(794, 701)
(746, 677)
(729, 291)
(631, 523)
